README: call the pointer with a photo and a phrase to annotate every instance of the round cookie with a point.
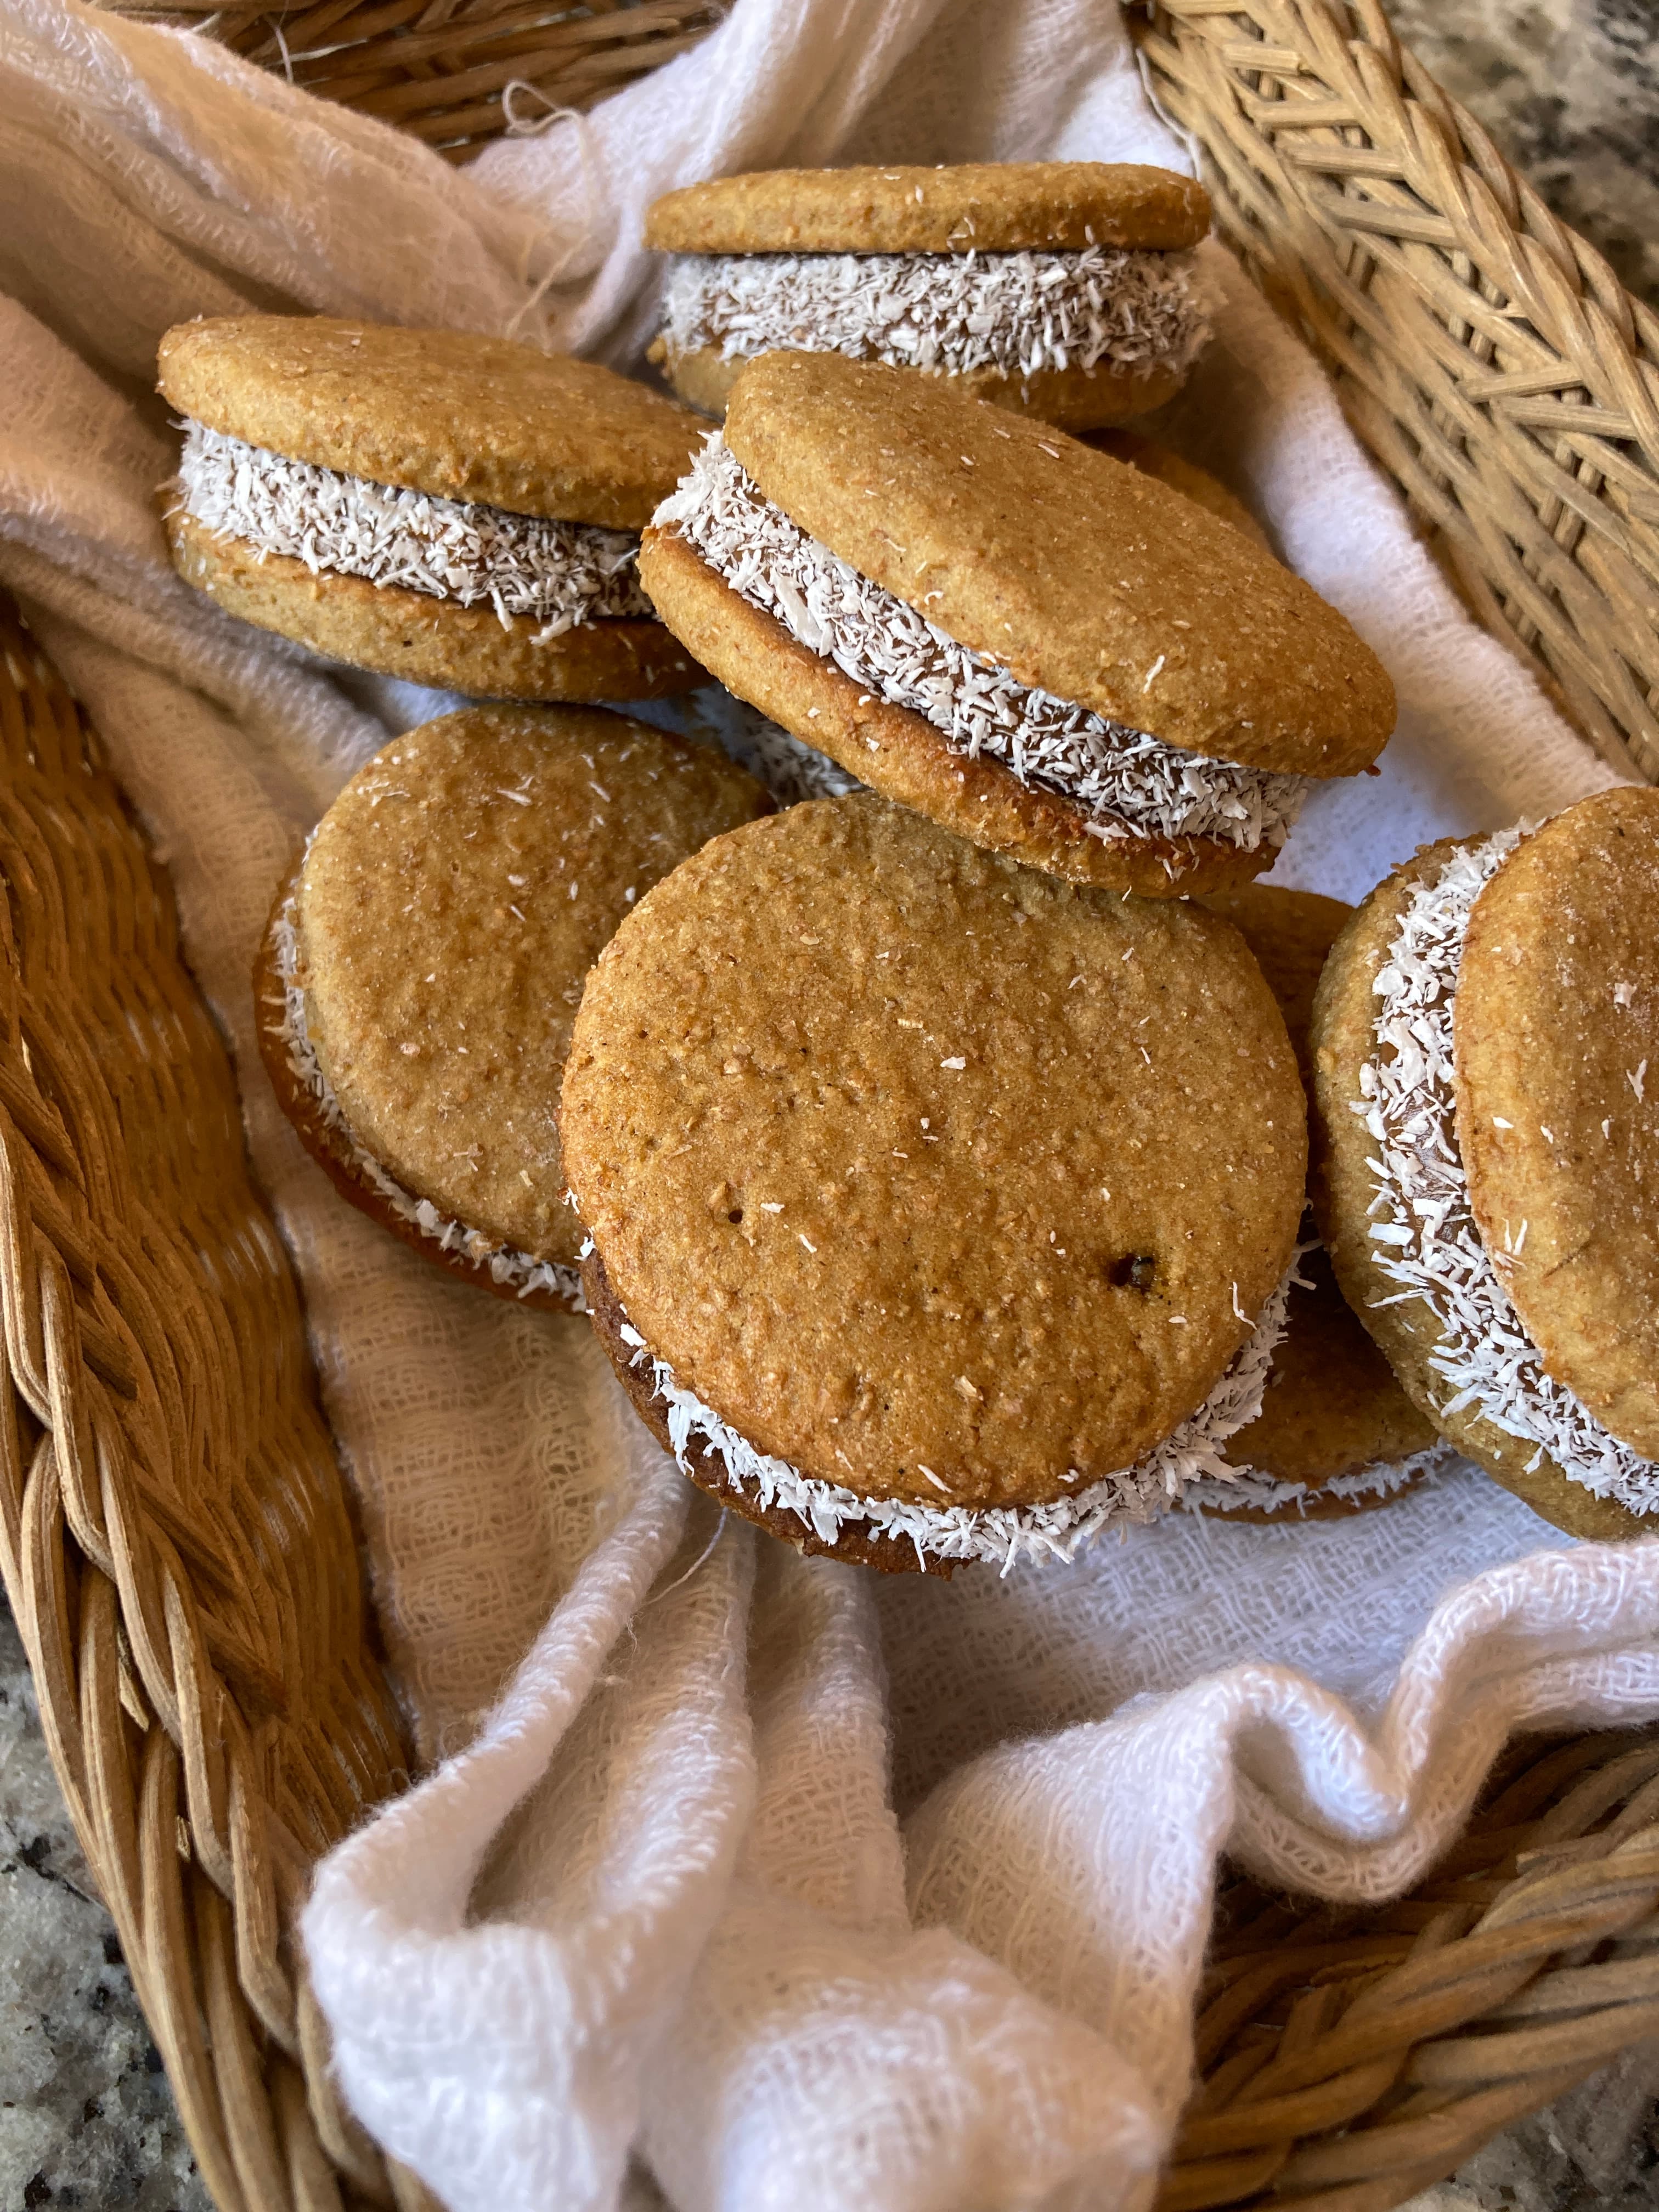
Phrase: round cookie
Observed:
(1556, 1026)
(441, 505)
(1180, 475)
(453, 413)
(1405, 1328)
(1090, 581)
(423, 966)
(947, 1187)
(985, 207)
(1050, 652)
(1059, 289)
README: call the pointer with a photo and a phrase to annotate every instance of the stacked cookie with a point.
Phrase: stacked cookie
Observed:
(454, 509)
(1063, 289)
(933, 1169)
(1044, 650)
(1484, 1032)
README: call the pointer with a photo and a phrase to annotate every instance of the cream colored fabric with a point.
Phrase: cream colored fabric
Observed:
(765, 1883)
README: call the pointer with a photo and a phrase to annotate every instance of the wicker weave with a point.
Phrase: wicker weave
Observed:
(214, 1713)
(454, 72)
(175, 1533)
(1489, 357)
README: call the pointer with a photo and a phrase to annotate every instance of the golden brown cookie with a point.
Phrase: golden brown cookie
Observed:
(1371, 1191)
(427, 641)
(1087, 579)
(986, 207)
(423, 971)
(453, 413)
(943, 1183)
(435, 505)
(900, 754)
(1183, 476)
(1557, 1027)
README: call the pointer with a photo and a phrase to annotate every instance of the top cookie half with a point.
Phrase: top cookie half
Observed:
(451, 413)
(986, 207)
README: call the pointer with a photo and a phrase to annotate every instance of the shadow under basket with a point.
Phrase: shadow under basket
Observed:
(211, 1696)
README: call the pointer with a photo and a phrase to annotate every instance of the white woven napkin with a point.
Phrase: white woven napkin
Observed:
(766, 1883)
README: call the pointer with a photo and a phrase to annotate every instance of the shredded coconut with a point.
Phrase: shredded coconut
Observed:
(1001, 1534)
(504, 1265)
(1127, 784)
(952, 313)
(1254, 1486)
(1424, 1237)
(559, 572)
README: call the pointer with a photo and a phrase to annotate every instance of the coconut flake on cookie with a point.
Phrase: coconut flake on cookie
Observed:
(518, 1270)
(560, 573)
(1000, 1535)
(950, 314)
(1128, 783)
(1424, 1234)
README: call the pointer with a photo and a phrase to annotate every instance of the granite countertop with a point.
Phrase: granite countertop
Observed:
(1570, 90)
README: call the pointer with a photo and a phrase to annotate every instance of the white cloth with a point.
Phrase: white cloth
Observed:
(784, 1885)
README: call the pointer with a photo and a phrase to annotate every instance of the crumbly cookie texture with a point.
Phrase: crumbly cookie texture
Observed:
(424, 639)
(982, 1179)
(560, 573)
(900, 753)
(452, 900)
(1180, 475)
(452, 413)
(1394, 1206)
(1556, 1034)
(1124, 783)
(1088, 581)
(993, 207)
(906, 1532)
(949, 314)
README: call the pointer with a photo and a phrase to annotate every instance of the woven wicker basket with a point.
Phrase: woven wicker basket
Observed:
(213, 1705)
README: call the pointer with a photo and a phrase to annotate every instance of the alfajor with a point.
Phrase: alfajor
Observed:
(939, 1211)
(1485, 1032)
(436, 505)
(1064, 289)
(1047, 651)
(423, 967)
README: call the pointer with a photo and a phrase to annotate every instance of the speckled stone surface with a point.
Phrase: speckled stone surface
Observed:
(85, 2115)
(1570, 91)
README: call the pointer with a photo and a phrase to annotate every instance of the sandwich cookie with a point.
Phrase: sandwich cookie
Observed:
(435, 504)
(939, 1211)
(1063, 289)
(1485, 1032)
(1336, 1434)
(1047, 651)
(423, 967)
